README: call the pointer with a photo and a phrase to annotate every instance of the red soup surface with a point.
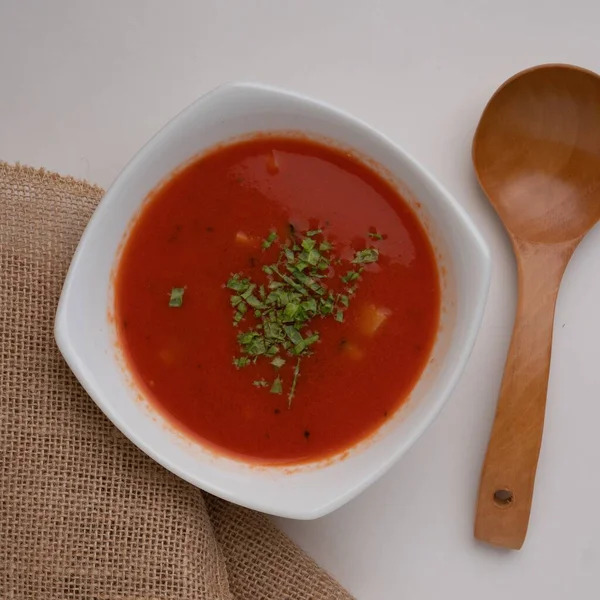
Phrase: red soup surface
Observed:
(290, 362)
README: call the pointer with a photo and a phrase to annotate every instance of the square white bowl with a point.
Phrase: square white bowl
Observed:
(86, 335)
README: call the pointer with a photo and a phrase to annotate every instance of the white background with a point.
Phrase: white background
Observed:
(84, 84)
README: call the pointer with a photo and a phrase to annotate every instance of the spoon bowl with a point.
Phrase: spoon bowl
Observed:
(536, 153)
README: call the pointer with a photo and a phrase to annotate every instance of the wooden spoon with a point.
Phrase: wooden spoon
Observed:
(536, 152)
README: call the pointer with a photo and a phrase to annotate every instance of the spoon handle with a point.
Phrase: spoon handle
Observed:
(507, 479)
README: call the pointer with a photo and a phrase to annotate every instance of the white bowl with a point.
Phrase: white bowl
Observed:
(86, 336)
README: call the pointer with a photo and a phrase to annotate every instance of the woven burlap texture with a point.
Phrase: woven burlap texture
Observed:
(84, 514)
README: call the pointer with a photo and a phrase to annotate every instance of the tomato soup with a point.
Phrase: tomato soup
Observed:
(277, 300)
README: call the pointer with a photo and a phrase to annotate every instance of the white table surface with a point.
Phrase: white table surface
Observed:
(83, 85)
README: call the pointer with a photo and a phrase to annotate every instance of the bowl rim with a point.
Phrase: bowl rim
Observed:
(478, 245)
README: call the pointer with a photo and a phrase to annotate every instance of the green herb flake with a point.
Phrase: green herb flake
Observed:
(176, 298)
(260, 383)
(246, 338)
(238, 284)
(293, 334)
(256, 347)
(368, 255)
(272, 350)
(278, 362)
(310, 306)
(350, 276)
(299, 348)
(314, 232)
(269, 241)
(289, 254)
(339, 316)
(326, 306)
(374, 235)
(273, 330)
(313, 257)
(241, 362)
(294, 382)
(308, 244)
(254, 302)
(277, 387)
(248, 291)
(311, 339)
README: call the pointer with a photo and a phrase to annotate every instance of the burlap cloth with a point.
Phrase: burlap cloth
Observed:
(84, 514)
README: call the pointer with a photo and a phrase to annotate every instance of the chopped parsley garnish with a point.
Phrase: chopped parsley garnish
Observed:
(374, 235)
(277, 388)
(294, 382)
(368, 255)
(176, 298)
(269, 241)
(278, 362)
(351, 276)
(241, 362)
(301, 288)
